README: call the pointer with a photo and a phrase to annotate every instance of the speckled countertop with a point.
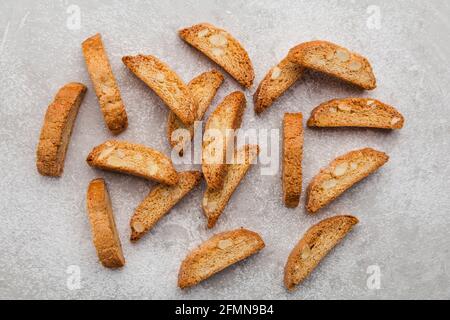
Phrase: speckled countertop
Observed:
(404, 208)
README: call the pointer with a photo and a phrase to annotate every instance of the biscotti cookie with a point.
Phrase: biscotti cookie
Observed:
(221, 47)
(341, 174)
(203, 89)
(292, 158)
(275, 83)
(314, 246)
(228, 115)
(105, 84)
(334, 60)
(57, 129)
(134, 159)
(104, 231)
(160, 200)
(218, 253)
(356, 112)
(215, 201)
(165, 83)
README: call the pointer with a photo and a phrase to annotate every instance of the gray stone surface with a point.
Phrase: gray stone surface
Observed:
(404, 208)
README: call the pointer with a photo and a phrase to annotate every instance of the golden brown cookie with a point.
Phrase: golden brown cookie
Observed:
(160, 200)
(216, 254)
(203, 88)
(57, 129)
(104, 231)
(356, 112)
(314, 246)
(166, 84)
(292, 158)
(134, 159)
(336, 61)
(279, 79)
(341, 174)
(222, 48)
(215, 201)
(228, 115)
(105, 84)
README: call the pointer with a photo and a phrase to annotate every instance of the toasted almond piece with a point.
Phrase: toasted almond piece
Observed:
(336, 61)
(314, 246)
(340, 169)
(276, 73)
(105, 85)
(203, 33)
(275, 83)
(327, 186)
(342, 106)
(369, 113)
(165, 83)
(57, 129)
(215, 201)
(160, 200)
(395, 120)
(203, 89)
(224, 244)
(212, 256)
(228, 115)
(292, 158)
(134, 159)
(104, 231)
(341, 54)
(221, 47)
(355, 66)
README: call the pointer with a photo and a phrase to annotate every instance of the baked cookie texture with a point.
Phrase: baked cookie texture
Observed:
(215, 201)
(228, 115)
(279, 79)
(218, 253)
(356, 112)
(341, 174)
(317, 242)
(222, 48)
(134, 159)
(57, 129)
(160, 200)
(203, 89)
(105, 84)
(166, 84)
(104, 231)
(292, 158)
(336, 61)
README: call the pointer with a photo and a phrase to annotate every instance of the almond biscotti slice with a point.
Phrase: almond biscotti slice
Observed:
(341, 174)
(165, 83)
(292, 158)
(336, 61)
(134, 159)
(279, 79)
(104, 231)
(221, 47)
(105, 84)
(215, 201)
(160, 200)
(356, 112)
(203, 89)
(217, 253)
(57, 129)
(314, 246)
(216, 139)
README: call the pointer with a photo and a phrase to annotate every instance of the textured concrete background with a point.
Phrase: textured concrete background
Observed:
(404, 208)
